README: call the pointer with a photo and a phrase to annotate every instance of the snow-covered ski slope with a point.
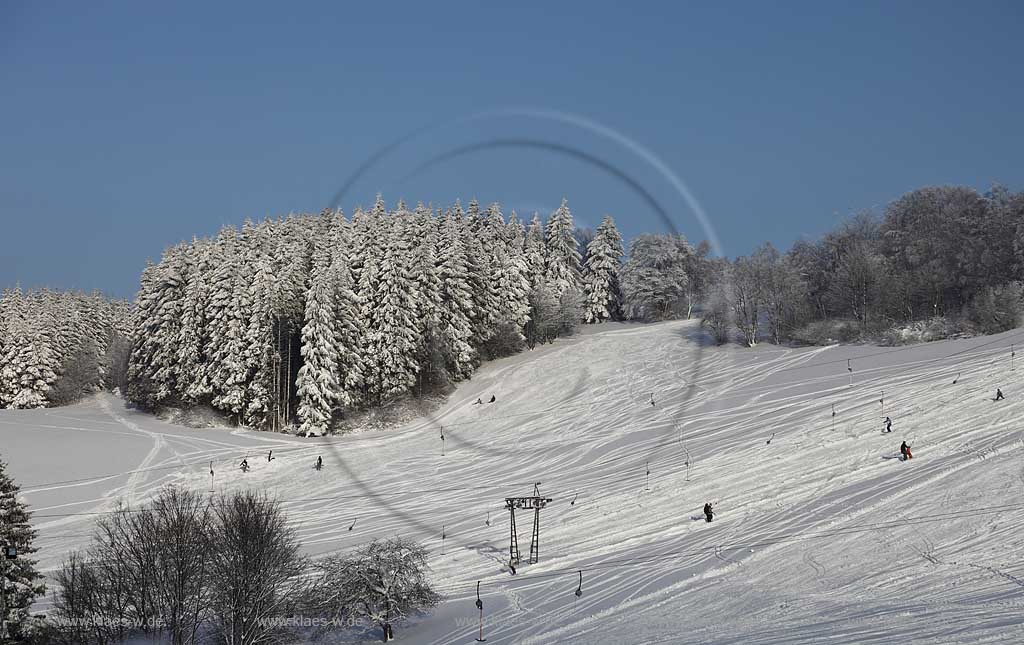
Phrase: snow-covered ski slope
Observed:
(820, 535)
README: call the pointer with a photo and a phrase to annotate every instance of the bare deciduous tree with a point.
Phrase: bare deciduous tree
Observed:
(257, 568)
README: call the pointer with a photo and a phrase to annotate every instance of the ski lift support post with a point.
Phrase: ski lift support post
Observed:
(534, 502)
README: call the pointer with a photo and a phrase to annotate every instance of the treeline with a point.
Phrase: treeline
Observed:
(946, 255)
(57, 346)
(311, 316)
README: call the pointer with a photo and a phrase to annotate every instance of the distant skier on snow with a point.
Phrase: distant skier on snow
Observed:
(905, 451)
(999, 395)
(492, 399)
(270, 456)
(319, 463)
(708, 512)
(888, 424)
(244, 465)
(479, 401)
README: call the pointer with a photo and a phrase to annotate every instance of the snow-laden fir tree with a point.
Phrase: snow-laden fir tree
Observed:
(601, 273)
(229, 308)
(477, 237)
(318, 383)
(154, 366)
(422, 238)
(21, 581)
(562, 260)
(36, 363)
(191, 345)
(509, 270)
(393, 330)
(535, 251)
(349, 325)
(259, 343)
(13, 334)
(455, 306)
(366, 230)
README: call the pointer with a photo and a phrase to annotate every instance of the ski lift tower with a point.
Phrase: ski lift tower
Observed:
(534, 502)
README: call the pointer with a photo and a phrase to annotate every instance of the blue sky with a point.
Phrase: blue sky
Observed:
(126, 127)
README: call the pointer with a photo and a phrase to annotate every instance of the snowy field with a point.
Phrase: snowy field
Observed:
(821, 534)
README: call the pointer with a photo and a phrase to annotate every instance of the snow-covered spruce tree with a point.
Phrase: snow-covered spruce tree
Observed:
(13, 333)
(422, 236)
(260, 343)
(486, 299)
(508, 275)
(96, 338)
(601, 273)
(366, 232)
(40, 366)
(5, 322)
(455, 305)
(517, 296)
(317, 383)
(392, 323)
(515, 233)
(562, 262)
(192, 334)
(535, 250)
(153, 364)
(228, 316)
(349, 325)
(513, 281)
(290, 251)
(21, 580)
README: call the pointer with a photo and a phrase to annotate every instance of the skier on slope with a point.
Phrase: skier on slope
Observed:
(479, 401)
(244, 465)
(999, 395)
(905, 451)
(319, 463)
(888, 424)
(492, 399)
(270, 456)
(708, 512)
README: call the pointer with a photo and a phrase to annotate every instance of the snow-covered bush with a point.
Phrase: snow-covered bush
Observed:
(382, 583)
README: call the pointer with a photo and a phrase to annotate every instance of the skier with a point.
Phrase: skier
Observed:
(999, 395)
(708, 513)
(245, 465)
(270, 456)
(479, 401)
(888, 424)
(319, 463)
(492, 399)
(905, 451)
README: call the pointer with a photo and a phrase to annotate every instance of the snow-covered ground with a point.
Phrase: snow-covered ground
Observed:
(821, 533)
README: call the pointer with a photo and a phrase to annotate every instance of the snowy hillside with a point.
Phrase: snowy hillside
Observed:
(821, 532)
